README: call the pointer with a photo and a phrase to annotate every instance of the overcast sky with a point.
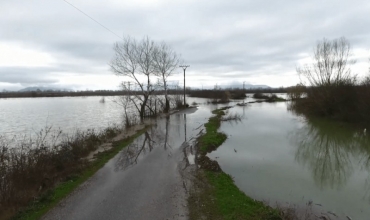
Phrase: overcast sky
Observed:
(50, 43)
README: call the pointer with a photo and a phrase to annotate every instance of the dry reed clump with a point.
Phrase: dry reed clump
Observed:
(31, 166)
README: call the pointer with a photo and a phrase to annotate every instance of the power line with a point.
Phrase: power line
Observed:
(93, 19)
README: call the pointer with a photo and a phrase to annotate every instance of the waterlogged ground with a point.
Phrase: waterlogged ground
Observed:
(278, 157)
(144, 180)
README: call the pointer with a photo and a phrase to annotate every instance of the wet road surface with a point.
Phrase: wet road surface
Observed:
(143, 181)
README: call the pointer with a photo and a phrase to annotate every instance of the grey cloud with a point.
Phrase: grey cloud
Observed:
(217, 38)
(26, 75)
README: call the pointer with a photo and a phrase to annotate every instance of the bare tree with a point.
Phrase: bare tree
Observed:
(135, 60)
(126, 101)
(165, 62)
(331, 64)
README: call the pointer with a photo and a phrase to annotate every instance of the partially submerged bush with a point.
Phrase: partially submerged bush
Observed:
(260, 96)
(333, 91)
(215, 96)
(296, 92)
(268, 98)
(237, 94)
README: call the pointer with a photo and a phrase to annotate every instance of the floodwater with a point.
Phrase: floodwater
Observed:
(273, 154)
(169, 134)
(25, 116)
(281, 158)
(160, 156)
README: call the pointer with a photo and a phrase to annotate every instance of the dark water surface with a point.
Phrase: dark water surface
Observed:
(277, 156)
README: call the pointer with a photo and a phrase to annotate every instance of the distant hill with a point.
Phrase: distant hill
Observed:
(250, 86)
(41, 88)
(246, 86)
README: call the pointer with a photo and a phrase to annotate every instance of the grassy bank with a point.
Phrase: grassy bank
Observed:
(212, 138)
(214, 195)
(36, 177)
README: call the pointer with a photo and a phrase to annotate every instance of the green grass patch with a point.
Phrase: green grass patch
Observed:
(212, 138)
(233, 203)
(47, 201)
(214, 194)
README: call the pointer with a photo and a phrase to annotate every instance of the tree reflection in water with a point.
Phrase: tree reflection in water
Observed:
(328, 150)
(129, 156)
(162, 134)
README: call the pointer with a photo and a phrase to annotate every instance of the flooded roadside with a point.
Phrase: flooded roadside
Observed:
(273, 155)
(143, 178)
(278, 157)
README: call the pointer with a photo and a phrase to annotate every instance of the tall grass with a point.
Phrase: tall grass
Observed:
(31, 166)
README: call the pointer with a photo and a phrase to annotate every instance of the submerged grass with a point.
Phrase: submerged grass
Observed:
(233, 203)
(49, 199)
(217, 198)
(212, 138)
(214, 195)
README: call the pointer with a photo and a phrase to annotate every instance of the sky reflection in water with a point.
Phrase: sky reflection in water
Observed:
(287, 158)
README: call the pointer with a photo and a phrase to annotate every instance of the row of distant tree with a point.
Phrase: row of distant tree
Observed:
(189, 90)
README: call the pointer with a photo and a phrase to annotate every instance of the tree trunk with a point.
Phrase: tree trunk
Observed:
(142, 107)
(167, 106)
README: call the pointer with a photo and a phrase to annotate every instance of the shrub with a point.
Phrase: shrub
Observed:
(31, 166)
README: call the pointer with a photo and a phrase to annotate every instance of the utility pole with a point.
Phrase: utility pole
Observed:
(129, 86)
(184, 68)
(243, 93)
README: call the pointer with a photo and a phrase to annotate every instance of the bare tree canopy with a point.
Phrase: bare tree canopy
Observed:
(331, 64)
(165, 62)
(135, 60)
(144, 62)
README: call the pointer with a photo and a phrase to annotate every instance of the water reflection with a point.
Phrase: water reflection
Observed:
(166, 135)
(329, 151)
(170, 135)
(129, 156)
(155, 137)
(188, 146)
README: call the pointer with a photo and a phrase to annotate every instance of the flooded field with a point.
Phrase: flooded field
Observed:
(26, 116)
(273, 154)
(281, 158)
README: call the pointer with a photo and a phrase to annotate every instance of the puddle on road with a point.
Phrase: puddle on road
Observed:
(168, 134)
